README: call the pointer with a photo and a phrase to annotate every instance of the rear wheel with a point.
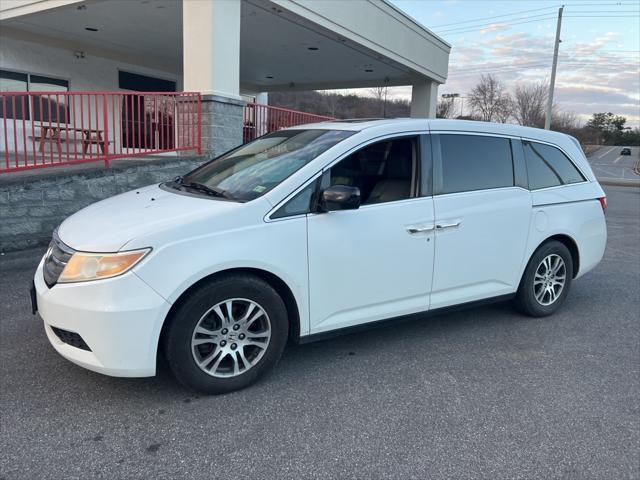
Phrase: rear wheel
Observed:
(226, 334)
(546, 280)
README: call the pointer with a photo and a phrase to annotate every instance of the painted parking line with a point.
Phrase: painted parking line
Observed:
(605, 153)
(618, 159)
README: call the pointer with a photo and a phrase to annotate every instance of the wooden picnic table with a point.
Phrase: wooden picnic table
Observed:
(53, 133)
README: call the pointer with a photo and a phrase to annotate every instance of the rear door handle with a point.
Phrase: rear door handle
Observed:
(451, 224)
(417, 229)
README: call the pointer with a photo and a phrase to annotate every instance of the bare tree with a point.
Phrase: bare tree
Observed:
(529, 104)
(565, 121)
(380, 94)
(331, 102)
(488, 98)
(445, 108)
(504, 110)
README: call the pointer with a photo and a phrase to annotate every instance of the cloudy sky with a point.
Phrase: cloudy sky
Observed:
(599, 61)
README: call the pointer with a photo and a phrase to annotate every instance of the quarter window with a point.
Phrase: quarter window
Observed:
(547, 166)
(300, 204)
(475, 162)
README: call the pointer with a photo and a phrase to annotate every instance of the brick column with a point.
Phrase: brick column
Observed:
(222, 123)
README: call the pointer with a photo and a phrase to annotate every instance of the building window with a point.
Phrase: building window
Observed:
(143, 83)
(43, 108)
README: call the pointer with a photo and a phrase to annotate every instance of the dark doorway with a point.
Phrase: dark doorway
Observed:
(147, 119)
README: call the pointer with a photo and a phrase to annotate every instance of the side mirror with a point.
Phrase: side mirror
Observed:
(340, 197)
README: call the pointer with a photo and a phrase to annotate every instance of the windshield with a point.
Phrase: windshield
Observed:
(255, 168)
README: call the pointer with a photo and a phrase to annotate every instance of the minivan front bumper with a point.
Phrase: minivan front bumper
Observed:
(119, 319)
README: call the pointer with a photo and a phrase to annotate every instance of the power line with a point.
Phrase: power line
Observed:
(494, 23)
(435, 27)
(603, 16)
(605, 11)
(529, 66)
(616, 4)
(480, 21)
(499, 25)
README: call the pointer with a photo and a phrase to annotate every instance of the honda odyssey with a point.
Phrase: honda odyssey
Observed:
(313, 230)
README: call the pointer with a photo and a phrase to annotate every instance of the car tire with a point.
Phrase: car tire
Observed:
(228, 351)
(546, 281)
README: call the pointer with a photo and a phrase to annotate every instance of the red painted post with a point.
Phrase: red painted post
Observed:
(24, 130)
(15, 132)
(199, 124)
(105, 138)
(6, 138)
(33, 133)
(82, 123)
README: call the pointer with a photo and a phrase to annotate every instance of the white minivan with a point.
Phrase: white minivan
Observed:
(313, 230)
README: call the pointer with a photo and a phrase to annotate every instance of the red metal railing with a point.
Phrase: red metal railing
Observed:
(45, 129)
(262, 119)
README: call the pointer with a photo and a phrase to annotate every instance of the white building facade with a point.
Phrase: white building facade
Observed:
(228, 51)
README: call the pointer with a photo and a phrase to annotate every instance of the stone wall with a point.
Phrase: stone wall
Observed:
(33, 204)
(222, 123)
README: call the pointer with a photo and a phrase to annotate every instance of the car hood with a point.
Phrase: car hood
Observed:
(109, 225)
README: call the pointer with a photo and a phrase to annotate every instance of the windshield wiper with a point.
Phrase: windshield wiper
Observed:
(201, 187)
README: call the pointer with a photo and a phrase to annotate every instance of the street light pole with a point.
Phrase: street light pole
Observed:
(554, 66)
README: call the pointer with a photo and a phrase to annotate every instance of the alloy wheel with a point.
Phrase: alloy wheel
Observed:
(549, 279)
(231, 337)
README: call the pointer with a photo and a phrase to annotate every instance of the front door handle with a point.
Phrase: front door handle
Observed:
(417, 229)
(445, 225)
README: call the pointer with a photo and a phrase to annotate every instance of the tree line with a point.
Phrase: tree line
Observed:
(489, 100)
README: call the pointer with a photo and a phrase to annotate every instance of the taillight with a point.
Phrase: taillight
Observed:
(603, 204)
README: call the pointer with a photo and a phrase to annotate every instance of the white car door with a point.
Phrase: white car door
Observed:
(482, 216)
(374, 262)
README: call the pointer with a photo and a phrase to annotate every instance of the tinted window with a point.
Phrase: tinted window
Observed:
(383, 171)
(473, 162)
(547, 166)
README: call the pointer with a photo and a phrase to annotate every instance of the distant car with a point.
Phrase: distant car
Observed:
(625, 151)
(315, 229)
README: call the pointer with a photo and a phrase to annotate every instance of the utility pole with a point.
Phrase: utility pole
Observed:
(554, 66)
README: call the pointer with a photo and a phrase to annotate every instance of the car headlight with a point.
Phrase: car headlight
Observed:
(82, 266)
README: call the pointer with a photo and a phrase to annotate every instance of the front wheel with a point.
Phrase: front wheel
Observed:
(546, 280)
(226, 334)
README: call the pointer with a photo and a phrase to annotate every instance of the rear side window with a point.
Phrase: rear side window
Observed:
(547, 166)
(475, 162)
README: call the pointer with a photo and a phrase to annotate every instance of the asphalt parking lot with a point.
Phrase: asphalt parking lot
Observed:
(482, 393)
(607, 163)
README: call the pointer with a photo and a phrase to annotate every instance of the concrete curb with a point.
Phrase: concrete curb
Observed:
(619, 182)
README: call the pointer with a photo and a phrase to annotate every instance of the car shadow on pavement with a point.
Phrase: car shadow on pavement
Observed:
(338, 357)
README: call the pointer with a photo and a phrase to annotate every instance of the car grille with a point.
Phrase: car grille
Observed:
(55, 260)
(71, 338)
